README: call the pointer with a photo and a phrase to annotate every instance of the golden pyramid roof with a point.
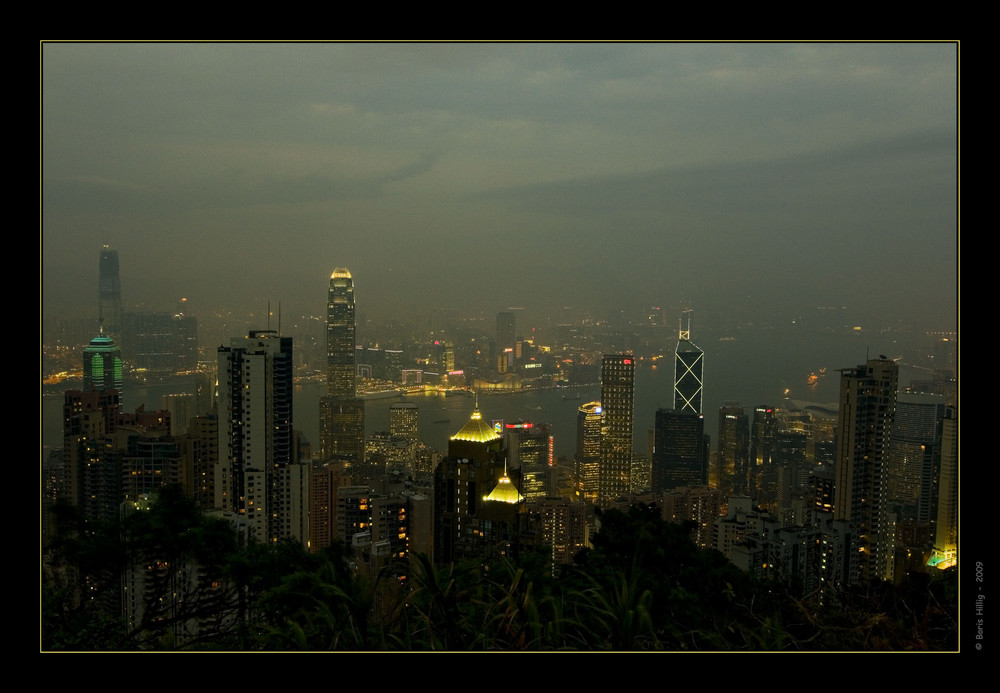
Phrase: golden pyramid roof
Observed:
(477, 430)
(505, 492)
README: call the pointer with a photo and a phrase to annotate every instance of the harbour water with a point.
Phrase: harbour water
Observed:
(753, 368)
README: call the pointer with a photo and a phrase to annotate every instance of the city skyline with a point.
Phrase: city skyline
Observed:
(768, 176)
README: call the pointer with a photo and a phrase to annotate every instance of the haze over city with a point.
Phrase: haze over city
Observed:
(624, 345)
(740, 178)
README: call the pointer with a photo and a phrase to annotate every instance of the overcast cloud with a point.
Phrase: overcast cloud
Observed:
(486, 175)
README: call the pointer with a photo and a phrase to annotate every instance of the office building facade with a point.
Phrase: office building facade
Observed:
(617, 402)
(679, 451)
(587, 461)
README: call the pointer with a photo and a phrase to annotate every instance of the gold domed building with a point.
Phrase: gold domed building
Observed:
(478, 509)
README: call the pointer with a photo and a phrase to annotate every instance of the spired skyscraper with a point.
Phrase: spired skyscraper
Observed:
(102, 365)
(617, 397)
(679, 447)
(342, 412)
(864, 431)
(689, 364)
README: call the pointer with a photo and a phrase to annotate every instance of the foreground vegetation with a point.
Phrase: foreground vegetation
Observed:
(644, 586)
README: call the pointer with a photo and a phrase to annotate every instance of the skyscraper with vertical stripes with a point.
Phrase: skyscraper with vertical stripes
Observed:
(617, 397)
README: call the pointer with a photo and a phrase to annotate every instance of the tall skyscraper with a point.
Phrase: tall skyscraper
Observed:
(763, 431)
(92, 476)
(342, 412)
(734, 449)
(913, 455)
(864, 432)
(689, 365)
(587, 462)
(530, 448)
(109, 300)
(946, 537)
(617, 396)
(462, 480)
(340, 336)
(505, 331)
(258, 478)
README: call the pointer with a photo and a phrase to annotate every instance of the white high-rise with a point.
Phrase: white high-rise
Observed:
(258, 479)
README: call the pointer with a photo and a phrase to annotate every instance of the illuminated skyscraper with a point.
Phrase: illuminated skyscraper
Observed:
(734, 449)
(109, 301)
(617, 396)
(867, 411)
(342, 413)
(340, 336)
(530, 448)
(102, 365)
(462, 481)
(689, 364)
(946, 539)
(763, 431)
(92, 477)
(404, 421)
(587, 462)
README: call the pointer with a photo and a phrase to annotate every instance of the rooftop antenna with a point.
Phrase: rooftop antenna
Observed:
(268, 321)
(684, 332)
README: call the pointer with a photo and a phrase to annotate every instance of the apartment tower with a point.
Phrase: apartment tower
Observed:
(257, 476)
(864, 432)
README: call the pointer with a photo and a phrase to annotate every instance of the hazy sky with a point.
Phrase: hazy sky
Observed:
(488, 175)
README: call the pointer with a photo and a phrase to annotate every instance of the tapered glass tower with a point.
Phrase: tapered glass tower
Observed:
(109, 301)
(340, 335)
(342, 412)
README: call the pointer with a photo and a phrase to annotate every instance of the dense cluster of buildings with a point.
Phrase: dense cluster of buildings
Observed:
(866, 493)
